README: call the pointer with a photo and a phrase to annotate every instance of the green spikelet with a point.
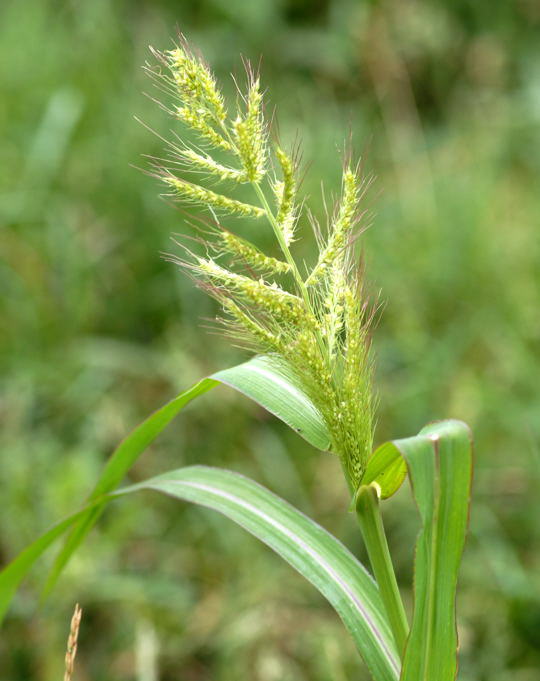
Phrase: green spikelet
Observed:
(285, 191)
(196, 84)
(207, 163)
(250, 136)
(260, 336)
(198, 121)
(251, 255)
(197, 194)
(333, 321)
(357, 399)
(342, 227)
(267, 298)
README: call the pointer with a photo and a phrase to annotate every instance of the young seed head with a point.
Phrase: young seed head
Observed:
(285, 192)
(250, 135)
(196, 84)
(341, 228)
(197, 194)
(320, 331)
(251, 255)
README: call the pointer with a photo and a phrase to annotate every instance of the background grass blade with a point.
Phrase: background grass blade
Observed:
(121, 460)
(310, 549)
(266, 381)
(14, 572)
(439, 461)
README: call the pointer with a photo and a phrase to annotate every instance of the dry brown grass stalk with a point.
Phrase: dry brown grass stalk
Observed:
(72, 642)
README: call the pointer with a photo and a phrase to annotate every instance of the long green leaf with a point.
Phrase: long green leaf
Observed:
(14, 572)
(439, 462)
(310, 549)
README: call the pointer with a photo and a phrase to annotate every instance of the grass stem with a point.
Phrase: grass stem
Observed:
(369, 517)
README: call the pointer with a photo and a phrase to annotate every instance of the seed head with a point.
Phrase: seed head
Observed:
(317, 327)
(196, 84)
(285, 191)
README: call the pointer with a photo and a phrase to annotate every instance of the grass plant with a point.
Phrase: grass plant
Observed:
(308, 327)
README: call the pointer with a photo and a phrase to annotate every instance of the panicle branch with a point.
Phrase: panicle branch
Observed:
(285, 192)
(206, 163)
(341, 228)
(252, 256)
(205, 197)
(250, 135)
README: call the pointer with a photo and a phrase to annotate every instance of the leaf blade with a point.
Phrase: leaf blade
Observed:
(265, 381)
(13, 573)
(260, 379)
(310, 549)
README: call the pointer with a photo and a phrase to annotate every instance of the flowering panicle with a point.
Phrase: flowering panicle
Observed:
(317, 326)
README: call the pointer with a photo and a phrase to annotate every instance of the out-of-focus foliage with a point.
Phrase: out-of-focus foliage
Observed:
(96, 330)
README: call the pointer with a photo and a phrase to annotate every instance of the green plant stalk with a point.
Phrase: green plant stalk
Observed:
(369, 517)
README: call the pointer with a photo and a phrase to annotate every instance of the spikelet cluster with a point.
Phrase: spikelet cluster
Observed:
(285, 191)
(341, 228)
(250, 136)
(251, 255)
(196, 194)
(316, 322)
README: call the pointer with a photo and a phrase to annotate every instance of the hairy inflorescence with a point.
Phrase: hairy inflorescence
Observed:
(314, 322)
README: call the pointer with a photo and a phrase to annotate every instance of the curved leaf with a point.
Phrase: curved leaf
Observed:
(316, 554)
(310, 549)
(12, 575)
(387, 468)
(266, 381)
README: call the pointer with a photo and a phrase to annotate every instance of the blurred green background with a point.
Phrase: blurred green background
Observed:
(97, 330)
